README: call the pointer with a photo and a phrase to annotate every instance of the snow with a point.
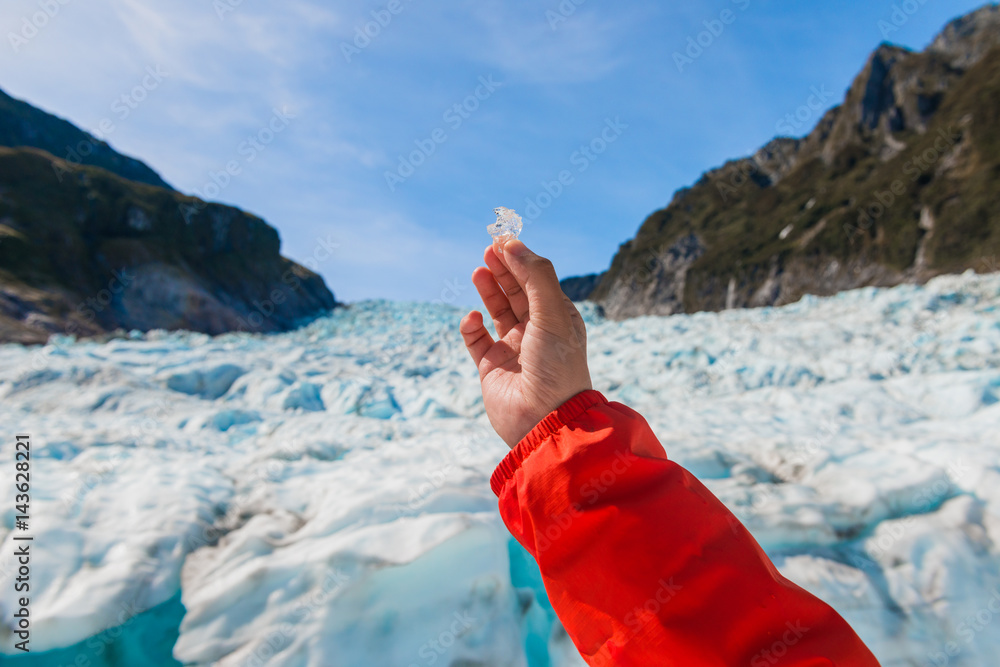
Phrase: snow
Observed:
(321, 497)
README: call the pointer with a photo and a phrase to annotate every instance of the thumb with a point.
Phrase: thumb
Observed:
(537, 277)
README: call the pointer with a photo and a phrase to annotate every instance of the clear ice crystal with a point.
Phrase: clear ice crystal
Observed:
(507, 227)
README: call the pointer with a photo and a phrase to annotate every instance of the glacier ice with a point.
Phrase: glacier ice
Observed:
(322, 496)
(507, 227)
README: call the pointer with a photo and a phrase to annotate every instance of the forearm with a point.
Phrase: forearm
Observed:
(643, 565)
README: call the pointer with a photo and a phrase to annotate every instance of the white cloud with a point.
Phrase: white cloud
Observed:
(324, 174)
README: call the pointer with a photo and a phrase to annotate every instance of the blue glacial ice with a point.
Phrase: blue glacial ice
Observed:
(321, 497)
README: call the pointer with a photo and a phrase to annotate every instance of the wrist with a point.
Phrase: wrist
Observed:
(549, 406)
(543, 430)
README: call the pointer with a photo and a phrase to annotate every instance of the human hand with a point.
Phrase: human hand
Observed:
(540, 359)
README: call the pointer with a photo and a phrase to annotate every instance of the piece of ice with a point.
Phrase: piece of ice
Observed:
(507, 227)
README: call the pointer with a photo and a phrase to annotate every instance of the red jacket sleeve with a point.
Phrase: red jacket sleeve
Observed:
(642, 564)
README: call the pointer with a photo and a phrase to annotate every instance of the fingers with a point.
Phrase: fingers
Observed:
(537, 278)
(515, 294)
(478, 340)
(577, 319)
(496, 301)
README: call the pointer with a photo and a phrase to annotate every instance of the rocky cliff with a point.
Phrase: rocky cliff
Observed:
(23, 125)
(899, 183)
(84, 251)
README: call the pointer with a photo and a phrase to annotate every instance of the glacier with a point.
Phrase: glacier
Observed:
(322, 497)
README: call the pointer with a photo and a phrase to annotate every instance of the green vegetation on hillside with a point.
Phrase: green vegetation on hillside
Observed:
(84, 251)
(22, 125)
(898, 183)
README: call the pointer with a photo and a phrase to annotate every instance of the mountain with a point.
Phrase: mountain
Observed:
(579, 288)
(897, 184)
(23, 125)
(91, 249)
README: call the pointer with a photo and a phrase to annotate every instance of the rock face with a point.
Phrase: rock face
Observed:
(580, 287)
(84, 251)
(23, 125)
(655, 285)
(967, 40)
(899, 183)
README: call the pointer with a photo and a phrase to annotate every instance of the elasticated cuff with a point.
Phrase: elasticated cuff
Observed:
(555, 420)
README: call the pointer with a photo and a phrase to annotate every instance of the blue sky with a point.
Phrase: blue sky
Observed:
(311, 103)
